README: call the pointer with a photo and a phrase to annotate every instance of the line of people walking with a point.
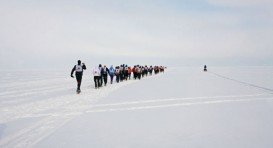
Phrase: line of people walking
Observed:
(122, 73)
(117, 73)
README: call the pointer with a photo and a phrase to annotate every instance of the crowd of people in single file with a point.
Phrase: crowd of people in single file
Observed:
(117, 74)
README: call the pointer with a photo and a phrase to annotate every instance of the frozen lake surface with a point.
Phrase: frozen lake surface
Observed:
(183, 107)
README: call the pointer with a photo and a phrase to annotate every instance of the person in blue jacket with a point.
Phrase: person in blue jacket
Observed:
(112, 73)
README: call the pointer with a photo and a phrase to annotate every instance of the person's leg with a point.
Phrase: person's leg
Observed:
(105, 80)
(116, 78)
(111, 77)
(95, 81)
(101, 80)
(126, 75)
(98, 81)
(79, 83)
(79, 80)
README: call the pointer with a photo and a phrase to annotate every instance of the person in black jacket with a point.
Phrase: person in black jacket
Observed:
(105, 72)
(205, 68)
(117, 74)
(79, 72)
(101, 78)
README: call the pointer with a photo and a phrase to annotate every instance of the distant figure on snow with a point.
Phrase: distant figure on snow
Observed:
(79, 71)
(205, 68)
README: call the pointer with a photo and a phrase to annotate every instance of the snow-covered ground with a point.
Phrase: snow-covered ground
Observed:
(184, 107)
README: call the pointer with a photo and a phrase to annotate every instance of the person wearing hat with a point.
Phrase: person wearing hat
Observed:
(79, 72)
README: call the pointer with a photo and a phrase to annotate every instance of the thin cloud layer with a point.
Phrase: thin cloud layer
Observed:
(55, 30)
(242, 3)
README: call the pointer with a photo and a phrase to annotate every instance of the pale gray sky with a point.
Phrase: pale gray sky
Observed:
(36, 33)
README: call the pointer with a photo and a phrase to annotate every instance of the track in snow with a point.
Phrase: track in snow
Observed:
(54, 112)
(58, 110)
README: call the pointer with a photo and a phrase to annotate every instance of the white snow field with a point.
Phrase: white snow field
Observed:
(226, 107)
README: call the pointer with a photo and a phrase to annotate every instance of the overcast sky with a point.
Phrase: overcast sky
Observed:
(36, 33)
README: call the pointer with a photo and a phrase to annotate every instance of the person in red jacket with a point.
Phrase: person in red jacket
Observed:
(129, 72)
